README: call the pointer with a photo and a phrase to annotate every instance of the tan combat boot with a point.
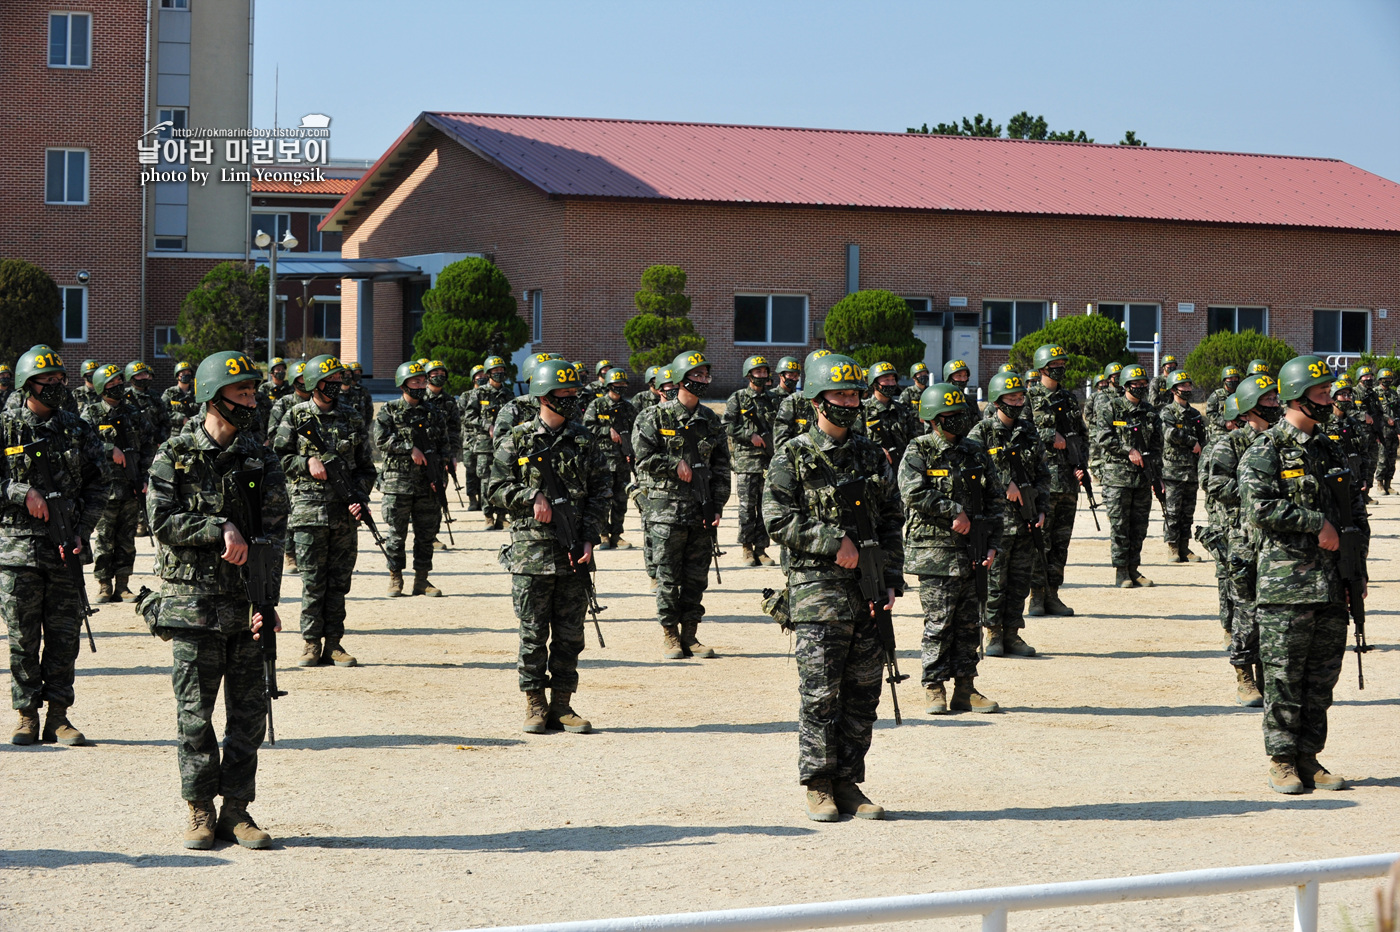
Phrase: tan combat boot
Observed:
(763, 557)
(821, 805)
(338, 655)
(289, 563)
(604, 544)
(27, 731)
(1015, 647)
(1246, 691)
(1053, 605)
(1174, 554)
(236, 825)
(310, 654)
(671, 642)
(936, 699)
(121, 591)
(966, 698)
(1139, 579)
(1317, 777)
(852, 802)
(692, 645)
(438, 545)
(748, 558)
(535, 712)
(199, 836)
(104, 591)
(1036, 607)
(1283, 776)
(995, 646)
(561, 715)
(58, 729)
(1187, 555)
(421, 586)
(619, 543)
(1122, 579)
(395, 584)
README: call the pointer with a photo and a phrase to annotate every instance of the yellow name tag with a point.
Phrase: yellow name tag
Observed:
(938, 472)
(995, 450)
(11, 451)
(802, 421)
(874, 423)
(1292, 473)
(484, 401)
(175, 402)
(1335, 436)
(522, 461)
(667, 433)
(1120, 423)
(104, 426)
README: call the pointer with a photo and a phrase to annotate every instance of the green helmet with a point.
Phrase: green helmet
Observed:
(603, 366)
(664, 377)
(651, 374)
(685, 363)
(6, 373)
(1258, 366)
(356, 367)
(1385, 374)
(941, 398)
(90, 366)
(617, 376)
(790, 364)
(814, 354)
(406, 371)
(1338, 387)
(135, 368)
(755, 362)
(181, 366)
(1300, 374)
(216, 370)
(1005, 383)
(916, 369)
(1132, 374)
(477, 370)
(434, 364)
(956, 365)
(832, 372)
(299, 372)
(1032, 376)
(1007, 367)
(319, 368)
(1364, 371)
(1179, 376)
(103, 375)
(552, 374)
(38, 360)
(1230, 372)
(423, 361)
(1047, 354)
(1232, 408)
(880, 369)
(493, 362)
(1169, 360)
(276, 361)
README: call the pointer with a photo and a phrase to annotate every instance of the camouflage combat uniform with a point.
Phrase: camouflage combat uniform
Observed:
(1062, 500)
(512, 414)
(749, 412)
(83, 396)
(280, 407)
(838, 650)
(179, 406)
(479, 410)
(1390, 434)
(1215, 411)
(1182, 428)
(603, 417)
(1216, 473)
(794, 417)
(357, 398)
(912, 394)
(114, 544)
(1122, 426)
(408, 495)
(1369, 403)
(891, 424)
(1010, 577)
(153, 409)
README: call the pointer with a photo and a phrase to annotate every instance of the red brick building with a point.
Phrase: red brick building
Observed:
(986, 238)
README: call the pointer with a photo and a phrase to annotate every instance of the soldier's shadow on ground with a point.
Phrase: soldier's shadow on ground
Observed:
(1161, 711)
(409, 632)
(580, 838)
(1138, 654)
(1146, 811)
(122, 671)
(51, 858)
(339, 742)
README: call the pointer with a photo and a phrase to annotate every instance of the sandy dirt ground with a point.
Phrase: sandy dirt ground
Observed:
(402, 794)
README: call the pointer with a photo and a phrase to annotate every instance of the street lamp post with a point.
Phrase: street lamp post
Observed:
(264, 241)
(304, 299)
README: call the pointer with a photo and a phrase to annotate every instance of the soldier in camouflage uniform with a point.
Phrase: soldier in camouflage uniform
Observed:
(748, 419)
(674, 436)
(649, 395)
(1390, 427)
(1183, 433)
(1302, 601)
(838, 648)
(403, 429)
(139, 380)
(1032, 378)
(203, 609)
(39, 596)
(666, 384)
(269, 391)
(610, 419)
(1218, 483)
(889, 422)
(298, 395)
(911, 395)
(789, 374)
(1215, 404)
(7, 384)
(438, 397)
(549, 591)
(126, 435)
(85, 394)
(1104, 390)
(1012, 443)
(1369, 403)
(519, 409)
(1347, 425)
(1160, 391)
(178, 400)
(935, 476)
(356, 395)
(1127, 431)
(597, 388)
(324, 525)
(469, 477)
(479, 412)
(956, 372)
(1053, 407)
(795, 416)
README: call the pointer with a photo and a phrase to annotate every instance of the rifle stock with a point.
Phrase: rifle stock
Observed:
(436, 469)
(1029, 508)
(979, 534)
(1079, 457)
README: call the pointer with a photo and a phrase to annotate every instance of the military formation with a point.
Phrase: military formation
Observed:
(857, 482)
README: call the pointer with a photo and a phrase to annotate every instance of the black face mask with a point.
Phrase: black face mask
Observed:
(921, 380)
(1011, 411)
(1137, 391)
(1231, 385)
(140, 385)
(698, 389)
(1315, 411)
(1270, 415)
(417, 394)
(956, 424)
(53, 395)
(1182, 398)
(789, 382)
(670, 394)
(437, 380)
(566, 406)
(839, 415)
(242, 417)
(886, 391)
(114, 392)
(760, 384)
(330, 391)
(185, 383)
(1057, 373)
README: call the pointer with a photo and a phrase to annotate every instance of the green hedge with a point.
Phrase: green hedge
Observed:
(29, 309)
(469, 314)
(1233, 349)
(662, 328)
(1092, 342)
(873, 326)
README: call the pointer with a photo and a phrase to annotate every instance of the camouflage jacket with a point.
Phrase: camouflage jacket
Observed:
(398, 428)
(602, 418)
(514, 413)
(515, 481)
(82, 397)
(795, 416)
(1282, 494)
(75, 464)
(1215, 410)
(272, 391)
(154, 410)
(193, 494)
(1182, 428)
(446, 405)
(643, 399)
(746, 413)
(1220, 463)
(1091, 418)
(479, 411)
(802, 511)
(594, 389)
(933, 483)
(123, 427)
(1158, 394)
(1043, 405)
(1348, 431)
(1006, 445)
(1390, 410)
(1121, 426)
(1369, 401)
(357, 397)
(347, 439)
(659, 438)
(179, 406)
(891, 424)
(911, 396)
(280, 407)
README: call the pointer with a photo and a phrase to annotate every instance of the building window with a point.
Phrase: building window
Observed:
(164, 336)
(325, 319)
(70, 40)
(174, 4)
(770, 318)
(274, 225)
(536, 316)
(170, 243)
(321, 242)
(73, 317)
(919, 305)
(1142, 321)
(178, 117)
(1236, 319)
(65, 176)
(1346, 332)
(1005, 322)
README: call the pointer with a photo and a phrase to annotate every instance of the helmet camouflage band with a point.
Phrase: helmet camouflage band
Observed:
(1300, 374)
(218, 370)
(406, 371)
(881, 369)
(790, 364)
(1178, 377)
(941, 398)
(320, 368)
(38, 360)
(1004, 383)
(105, 374)
(754, 362)
(832, 372)
(135, 368)
(1047, 354)
(603, 366)
(955, 365)
(686, 363)
(1132, 374)
(550, 375)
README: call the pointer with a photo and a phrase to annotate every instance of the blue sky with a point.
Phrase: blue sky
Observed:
(1280, 77)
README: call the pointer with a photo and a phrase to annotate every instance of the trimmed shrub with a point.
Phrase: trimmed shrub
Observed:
(227, 310)
(29, 308)
(873, 326)
(1091, 340)
(469, 314)
(662, 329)
(1223, 349)
(1377, 363)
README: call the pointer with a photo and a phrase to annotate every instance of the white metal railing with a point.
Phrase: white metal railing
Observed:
(994, 903)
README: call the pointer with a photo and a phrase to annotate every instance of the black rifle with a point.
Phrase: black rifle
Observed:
(436, 468)
(1351, 562)
(344, 487)
(1030, 505)
(62, 528)
(855, 518)
(260, 577)
(564, 520)
(700, 476)
(628, 454)
(1078, 455)
(977, 538)
(1151, 467)
(452, 471)
(127, 442)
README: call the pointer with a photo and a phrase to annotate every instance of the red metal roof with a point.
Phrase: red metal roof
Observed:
(328, 186)
(570, 157)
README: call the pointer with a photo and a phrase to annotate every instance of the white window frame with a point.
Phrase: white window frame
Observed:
(1140, 345)
(87, 176)
(157, 247)
(68, 15)
(1235, 327)
(63, 313)
(168, 113)
(158, 345)
(174, 4)
(1340, 351)
(768, 320)
(277, 216)
(325, 300)
(986, 333)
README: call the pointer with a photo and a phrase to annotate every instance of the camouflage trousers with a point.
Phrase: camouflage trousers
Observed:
(951, 632)
(1179, 512)
(114, 540)
(1060, 511)
(1302, 648)
(551, 611)
(1009, 581)
(681, 556)
(617, 505)
(205, 660)
(1128, 510)
(471, 477)
(327, 563)
(398, 511)
(838, 670)
(1244, 633)
(43, 616)
(1385, 472)
(1373, 461)
(752, 532)
(482, 463)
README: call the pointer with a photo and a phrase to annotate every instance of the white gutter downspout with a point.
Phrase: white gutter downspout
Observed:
(248, 195)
